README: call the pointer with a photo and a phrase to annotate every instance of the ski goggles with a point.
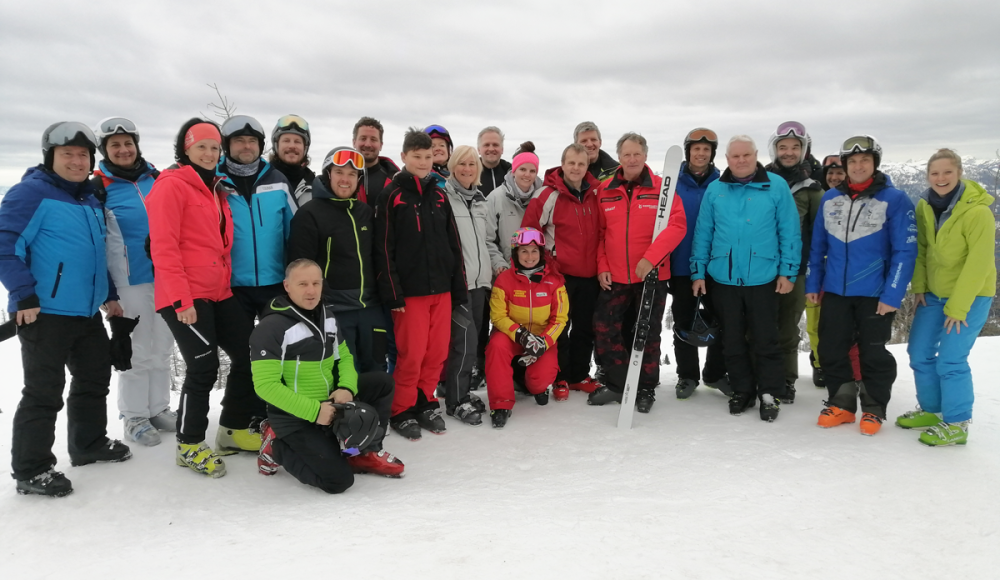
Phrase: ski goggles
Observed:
(526, 236)
(342, 157)
(115, 125)
(702, 134)
(832, 161)
(432, 129)
(69, 133)
(791, 129)
(238, 125)
(858, 144)
(293, 123)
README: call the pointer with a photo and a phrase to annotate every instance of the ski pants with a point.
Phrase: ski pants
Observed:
(364, 332)
(48, 346)
(422, 339)
(466, 322)
(940, 360)
(813, 312)
(538, 376)
(613, 345)
(576, 343)
(682, 306)
(847, 319)
(144, 390)
(312, 455)
(222, 325)
(749, 316)
(255, 299)
(790, 309)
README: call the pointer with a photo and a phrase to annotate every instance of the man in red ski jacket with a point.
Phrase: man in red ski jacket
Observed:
(627, 205)
(566, 210)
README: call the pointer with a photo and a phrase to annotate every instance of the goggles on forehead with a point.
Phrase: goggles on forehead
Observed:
(525, 236)
(293, 122)
(239, 123)
(342, 157)
(703, 135)
(67, 133)
(859, 144)
(791, 129)
(115, 125)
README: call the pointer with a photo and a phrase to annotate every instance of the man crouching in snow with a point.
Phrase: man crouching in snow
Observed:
(326, 422)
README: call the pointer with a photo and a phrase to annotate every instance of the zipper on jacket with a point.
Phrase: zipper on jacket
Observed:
(260, 214)
(326, 269)
(847, 241)
(730, 264)
(628, 215)
(416, 209)
(298, 361)
(55, 287)
(253, 232)
(361, 264)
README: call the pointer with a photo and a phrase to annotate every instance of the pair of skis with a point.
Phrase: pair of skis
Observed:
(668, 188)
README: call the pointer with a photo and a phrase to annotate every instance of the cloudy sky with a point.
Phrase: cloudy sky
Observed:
(917, 74)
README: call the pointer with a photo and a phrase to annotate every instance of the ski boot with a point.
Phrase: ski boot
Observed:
(378, 462)
(685, 387)
(944, 434)
(499, 417)
(408, 428)
(231, 441)
(266, 464)
(917, 419)
(165, 420)
(201, 459)
(832, 416)
(602, 396)
(466, 413)
(431, 420)
(740, 402)
(561, 391)
(113, 451)
(644, 400)
(543, 398)
(140, 430)
(789, 397)
(49, 482)
(769, 407)
(870, 424)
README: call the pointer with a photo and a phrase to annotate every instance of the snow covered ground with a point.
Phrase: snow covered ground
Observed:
(690, 492)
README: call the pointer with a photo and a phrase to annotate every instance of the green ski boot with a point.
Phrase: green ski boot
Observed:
(917, 419)
(946, 434)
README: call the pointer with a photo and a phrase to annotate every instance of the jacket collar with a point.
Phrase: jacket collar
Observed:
(759, 176)
(645, 178)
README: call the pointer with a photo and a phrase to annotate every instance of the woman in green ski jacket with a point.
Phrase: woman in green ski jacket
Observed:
(954, 283)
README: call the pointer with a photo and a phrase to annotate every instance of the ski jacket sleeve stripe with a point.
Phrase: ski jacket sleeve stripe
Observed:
(671, 236)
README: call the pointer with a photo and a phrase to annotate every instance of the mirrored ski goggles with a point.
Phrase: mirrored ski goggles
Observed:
(859, 144)
(239, 123)
(527, 236)
(66, 133)
(791, 129)
(342, 157)
(114, 125)
(832, 161)
(431, 129)
(703, 135)
(293, 122)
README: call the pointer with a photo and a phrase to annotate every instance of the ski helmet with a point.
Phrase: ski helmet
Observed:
(701, 135)
(116, 126)
(861, 144)
(441, 133)
(704, 329)
(293, 124)
(239, 125)
(789, 130)
(67, 133)
(341, 156)
(355, 426)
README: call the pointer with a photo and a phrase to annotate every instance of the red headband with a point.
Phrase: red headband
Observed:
(200, 132)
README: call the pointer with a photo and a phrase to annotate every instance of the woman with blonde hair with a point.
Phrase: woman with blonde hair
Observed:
(954, 283)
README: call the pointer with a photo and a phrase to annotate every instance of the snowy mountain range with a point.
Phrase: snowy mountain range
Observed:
(911, 176)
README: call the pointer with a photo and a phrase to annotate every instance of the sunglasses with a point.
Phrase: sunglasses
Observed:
(293, 122)
(703, 135)
(342, 157)
(791, 129)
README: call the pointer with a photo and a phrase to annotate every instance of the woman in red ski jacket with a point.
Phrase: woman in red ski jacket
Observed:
(190, 234)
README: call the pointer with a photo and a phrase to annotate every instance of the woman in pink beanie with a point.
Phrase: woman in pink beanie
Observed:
(506, 204)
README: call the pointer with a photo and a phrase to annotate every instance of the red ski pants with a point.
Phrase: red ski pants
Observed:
(423, 333)
(500, 376)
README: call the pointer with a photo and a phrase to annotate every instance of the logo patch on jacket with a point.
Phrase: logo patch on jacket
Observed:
(541, 294)
(520, 294)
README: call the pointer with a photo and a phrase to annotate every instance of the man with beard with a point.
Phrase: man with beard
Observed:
(787, 147)
(262, 207)
(290, 140)
(490, 147)
(367, 139)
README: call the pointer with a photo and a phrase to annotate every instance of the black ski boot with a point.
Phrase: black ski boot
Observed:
(819, 377)
(722, 385)
(408, 428)
(113, 451)
(644, 401)
(50, 482)
(478, 380)
(431, 420)
(467, 413)
(769, 408)
(543, 397)
(740, 402)
(685, 387)
(789, 397)
(602, 396)
(499, 417)
(477, 403)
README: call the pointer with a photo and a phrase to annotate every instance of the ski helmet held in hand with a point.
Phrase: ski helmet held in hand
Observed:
(291, 124)
(789, 130)
(704, 329)
(701, 135)
(67, 133)
(116, 126)
(238, 126)
(861, 144)
(355, 426)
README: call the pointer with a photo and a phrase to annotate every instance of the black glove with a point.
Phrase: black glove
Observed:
(532, 344)
(121, 341)
(8, 329)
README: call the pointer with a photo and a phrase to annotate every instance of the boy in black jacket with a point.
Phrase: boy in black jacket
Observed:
(420, 273)
(337, 231)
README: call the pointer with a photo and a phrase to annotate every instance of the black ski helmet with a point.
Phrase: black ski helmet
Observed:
(295, 125)
(239, 125)
(704, 329)
(355, 426)
(701, 135)
(68, 133)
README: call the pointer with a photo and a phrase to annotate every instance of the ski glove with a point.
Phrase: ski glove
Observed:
(532, 344)
(121, 341)
(526, 360)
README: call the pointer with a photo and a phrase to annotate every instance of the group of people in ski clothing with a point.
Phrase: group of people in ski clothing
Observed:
(363, 292)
